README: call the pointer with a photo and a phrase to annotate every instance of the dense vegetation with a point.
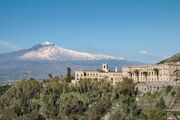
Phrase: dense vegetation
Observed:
(55, 99)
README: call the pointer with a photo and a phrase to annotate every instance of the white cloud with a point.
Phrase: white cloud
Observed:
(8, 45)
(147, 53)
(152, 57)
(144, 52)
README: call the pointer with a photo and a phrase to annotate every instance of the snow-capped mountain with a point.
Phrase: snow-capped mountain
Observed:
(45, 58)
(49, 51)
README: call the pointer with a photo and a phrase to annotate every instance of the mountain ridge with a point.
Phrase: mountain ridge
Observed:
(42, 59)
(49, 51)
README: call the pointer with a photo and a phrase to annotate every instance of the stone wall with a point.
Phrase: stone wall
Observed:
(155, 86)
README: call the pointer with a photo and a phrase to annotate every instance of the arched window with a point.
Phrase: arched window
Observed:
(85, 74)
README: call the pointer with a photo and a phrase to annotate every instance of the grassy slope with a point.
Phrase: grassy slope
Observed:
(173, 59)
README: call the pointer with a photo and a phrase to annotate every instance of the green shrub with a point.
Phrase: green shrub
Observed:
(161, 104)
(173, 93)
(168, 88)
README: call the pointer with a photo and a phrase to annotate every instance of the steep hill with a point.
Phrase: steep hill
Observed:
(54, 99)
(173, 59)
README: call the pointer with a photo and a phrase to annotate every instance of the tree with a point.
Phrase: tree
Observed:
(125, 95)
(145, 74)
(177, 74)
(71, 104)
(155, 114)
(156, 73)
(50, 75)
(4, 88)
(68, 75)
(137, 74)
(168, 88)
(130, 74)
(161, 104)
(99, 108)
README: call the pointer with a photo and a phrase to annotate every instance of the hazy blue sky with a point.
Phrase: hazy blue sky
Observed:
(143, 30)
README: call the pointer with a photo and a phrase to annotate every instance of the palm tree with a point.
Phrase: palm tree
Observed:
(156, 71)
(145, 74)
(130, 74)
(137, 74)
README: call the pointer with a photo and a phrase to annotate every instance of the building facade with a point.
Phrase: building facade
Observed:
(104, 73)
(147, 73)
(150, 73)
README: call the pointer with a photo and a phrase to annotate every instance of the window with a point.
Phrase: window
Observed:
(84, 73)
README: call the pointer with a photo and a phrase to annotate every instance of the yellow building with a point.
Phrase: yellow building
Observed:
(147, 73)
(150, 73)
(105, 73)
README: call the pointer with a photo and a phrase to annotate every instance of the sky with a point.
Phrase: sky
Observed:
(141, 30)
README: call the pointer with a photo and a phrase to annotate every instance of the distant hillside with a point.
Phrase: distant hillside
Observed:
(173, 59)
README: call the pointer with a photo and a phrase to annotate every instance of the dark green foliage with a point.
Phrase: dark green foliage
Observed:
(68, 77)
(173, 93)
(4, 88)
(18, 98)
(127, 106)
(155, 114)
(161, 104)
(175, 58)
(71, 105)
(90, 99)
(136, 72)
(50, 75)
(99, 108)
(168, 88)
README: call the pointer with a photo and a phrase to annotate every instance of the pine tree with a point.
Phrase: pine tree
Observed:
(68, 76)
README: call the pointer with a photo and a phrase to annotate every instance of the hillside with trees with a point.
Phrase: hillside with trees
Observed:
(173, 59)
(56, 99)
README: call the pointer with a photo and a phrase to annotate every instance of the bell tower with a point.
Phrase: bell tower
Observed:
(105, 68)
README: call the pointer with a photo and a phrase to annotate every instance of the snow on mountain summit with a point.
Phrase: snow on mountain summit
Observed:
(47, 43)
(49, 51)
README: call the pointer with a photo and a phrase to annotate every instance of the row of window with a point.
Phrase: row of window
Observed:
(150, 74)
(94, 74)
(150, 79)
